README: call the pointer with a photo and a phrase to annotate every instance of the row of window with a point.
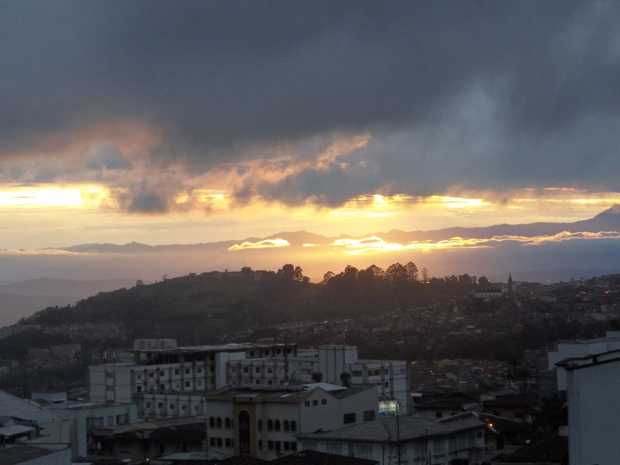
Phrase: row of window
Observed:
(275, 425)
(173, 407)
(348, 418)
(162, 373)
(279, 445)
(216, 422)
(187, 385)
(315, 402)
(229, 443)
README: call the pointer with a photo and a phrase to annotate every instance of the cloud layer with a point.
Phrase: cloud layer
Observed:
(156, 98)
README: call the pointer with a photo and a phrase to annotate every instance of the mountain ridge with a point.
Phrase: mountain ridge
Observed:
(609, 218)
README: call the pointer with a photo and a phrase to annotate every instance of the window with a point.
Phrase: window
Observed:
(323, 401)
(218, 422)
(270, 445)
(315, 402)
(148, 405)
(294, 446)
(286, 445)
(260, 444)
(212, 442)
(176, 371)
(259, 425)
(277, 425)
(228, 442)
(220, 443)
(307, 403)
(246, 369)
(160, 405)
(369, 415)
(285, 425)
(257, 369)
(187, 371)
(293, 426)
(199, 370)
(172, 406)
(184, 407)
(269, 425)
(349, 418)
(212, 422)
(187, 384)
(278, 445)
(227, 423)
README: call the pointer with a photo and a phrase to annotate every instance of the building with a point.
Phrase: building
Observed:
(580, 348)
(406, 440)
(593, 408)
(169, 381)
(86, 417)
(334, 364)
(265, 423)
(165, 380)
(45, 425)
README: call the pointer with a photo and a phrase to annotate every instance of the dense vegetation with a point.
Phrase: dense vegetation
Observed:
(198, 307)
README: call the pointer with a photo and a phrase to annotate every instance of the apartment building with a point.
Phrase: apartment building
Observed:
(334, 364)
(264, 423)
(169, 381)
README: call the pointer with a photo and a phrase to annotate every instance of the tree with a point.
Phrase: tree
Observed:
(327, 276)
(412, 271)
(396, 273)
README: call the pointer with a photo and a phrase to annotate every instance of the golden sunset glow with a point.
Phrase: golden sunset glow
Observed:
(52, 196)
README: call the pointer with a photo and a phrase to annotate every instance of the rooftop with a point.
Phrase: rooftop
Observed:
(385, 429)
(292, 394)
(14, 455)
(232, 347)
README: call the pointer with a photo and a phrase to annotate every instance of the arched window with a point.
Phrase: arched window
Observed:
(244, 432)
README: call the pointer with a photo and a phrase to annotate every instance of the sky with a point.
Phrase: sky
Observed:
(195, 121)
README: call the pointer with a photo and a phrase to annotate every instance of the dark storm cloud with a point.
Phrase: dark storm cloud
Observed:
(222, 81)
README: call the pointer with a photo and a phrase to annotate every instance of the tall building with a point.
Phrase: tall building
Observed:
(593, 408)
(169, 381)
(173, 381)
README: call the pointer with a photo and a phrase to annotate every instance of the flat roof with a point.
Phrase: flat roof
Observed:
(576, 363)
(13, 455)
(232, 347)
(384, 429)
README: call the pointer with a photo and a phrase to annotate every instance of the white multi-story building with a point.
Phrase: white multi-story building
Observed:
(406, 440)
(169, 381)
(580, 348)
(593, 408)
(264, 423)
(334, 364)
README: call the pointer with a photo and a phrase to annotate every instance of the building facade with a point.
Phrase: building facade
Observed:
(265, 423)
(593, 408)
(406, 440)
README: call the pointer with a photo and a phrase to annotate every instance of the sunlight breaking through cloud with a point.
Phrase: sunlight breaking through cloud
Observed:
(264, 244)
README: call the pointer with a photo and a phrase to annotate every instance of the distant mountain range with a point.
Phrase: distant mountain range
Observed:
(608, 220)
(535, 251)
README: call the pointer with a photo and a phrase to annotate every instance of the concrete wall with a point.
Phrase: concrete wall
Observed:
(593, 414)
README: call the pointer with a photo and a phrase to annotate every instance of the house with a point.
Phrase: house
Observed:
(405, 439)
(265, 423)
